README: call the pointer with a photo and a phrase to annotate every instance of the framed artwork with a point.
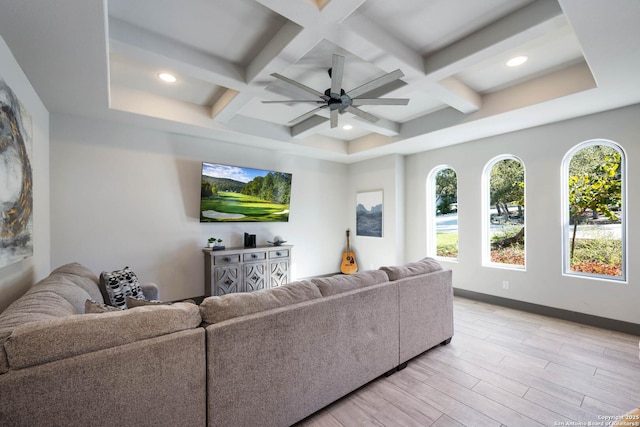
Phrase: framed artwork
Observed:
(16, 179)
(369, 210)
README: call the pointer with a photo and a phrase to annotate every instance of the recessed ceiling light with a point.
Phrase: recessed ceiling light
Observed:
(166, 77)
(347, 127)
(515, 61)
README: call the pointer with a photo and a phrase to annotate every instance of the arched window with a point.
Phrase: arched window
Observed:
(442, 213)
(504, 212)
(594, 218)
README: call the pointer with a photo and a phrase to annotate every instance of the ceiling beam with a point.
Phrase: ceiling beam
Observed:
(143, 46)
(303, 13)
(511, 31)
(307, 27)
(458, 95)
(368, 41)
(291, 43)
(382, 126)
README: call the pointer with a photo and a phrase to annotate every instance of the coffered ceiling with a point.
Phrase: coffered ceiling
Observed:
(583, 57)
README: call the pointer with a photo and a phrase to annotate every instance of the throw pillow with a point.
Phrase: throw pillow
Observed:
(91, 306)
(133, 302)
(119, 285)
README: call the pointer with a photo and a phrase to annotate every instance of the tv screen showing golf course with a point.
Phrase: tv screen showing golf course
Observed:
(237, 194)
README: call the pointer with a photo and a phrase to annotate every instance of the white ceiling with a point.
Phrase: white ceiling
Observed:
(101, 59)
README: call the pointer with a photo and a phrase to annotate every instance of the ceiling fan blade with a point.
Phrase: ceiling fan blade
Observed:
(307, 115)
(334, 118)
(298, 85)
(375, 83)
(363, 114)
(337, 69)
(380, 101)
(291, 101)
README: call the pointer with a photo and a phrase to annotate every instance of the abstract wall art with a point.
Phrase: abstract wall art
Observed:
(16, 179)
(369, 214)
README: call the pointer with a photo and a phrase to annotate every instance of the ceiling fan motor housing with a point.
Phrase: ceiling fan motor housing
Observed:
(337, 101)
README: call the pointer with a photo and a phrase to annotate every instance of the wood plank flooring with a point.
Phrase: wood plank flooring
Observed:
(503, 368)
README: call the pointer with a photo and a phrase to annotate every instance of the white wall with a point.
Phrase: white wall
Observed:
(542, 150)
(125, 196)
(16, 278)
(386, 174)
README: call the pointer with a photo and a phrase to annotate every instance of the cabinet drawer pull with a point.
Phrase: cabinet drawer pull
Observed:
(254, 256)
(278, 253)
(227, 259)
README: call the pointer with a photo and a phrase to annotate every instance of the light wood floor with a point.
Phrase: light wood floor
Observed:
(503, 368)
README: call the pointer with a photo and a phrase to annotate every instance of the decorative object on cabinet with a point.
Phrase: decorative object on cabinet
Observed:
(246, 269)
(249, 240)
(277, 241)
(369, 209)
(215, 244)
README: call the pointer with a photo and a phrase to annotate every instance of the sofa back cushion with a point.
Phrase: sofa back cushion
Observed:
(81, 276)
(343, 283)
(219, 309)
(424, 266)
(35, 307)
(41, 342)
(63, 286)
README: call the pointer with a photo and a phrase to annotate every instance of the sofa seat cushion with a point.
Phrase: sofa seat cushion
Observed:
(81, 276)
(342, 282)
(41, 342)
(424, 266)
(219, 309)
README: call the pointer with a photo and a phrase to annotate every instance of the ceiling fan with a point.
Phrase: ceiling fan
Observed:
(337, 100)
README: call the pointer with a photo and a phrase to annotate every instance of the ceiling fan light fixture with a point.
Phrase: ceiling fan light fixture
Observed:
(337, 100)
(517, 60)
(347, 127)
(167, 77)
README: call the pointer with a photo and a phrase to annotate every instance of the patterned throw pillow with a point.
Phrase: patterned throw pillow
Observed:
(91, 306)
(119, 285)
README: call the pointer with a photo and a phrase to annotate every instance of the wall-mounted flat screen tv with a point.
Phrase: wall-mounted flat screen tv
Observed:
(237, 194)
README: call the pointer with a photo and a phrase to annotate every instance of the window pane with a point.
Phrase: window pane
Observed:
(594, 233)
(446, 213)
(506, 212)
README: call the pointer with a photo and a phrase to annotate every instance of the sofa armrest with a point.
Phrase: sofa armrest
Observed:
(150, 291)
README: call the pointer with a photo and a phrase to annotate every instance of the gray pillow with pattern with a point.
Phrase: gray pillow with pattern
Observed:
(119, 285)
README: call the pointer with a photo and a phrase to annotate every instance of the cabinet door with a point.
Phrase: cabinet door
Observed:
(279, 273)
(255, 276)
(227, 279)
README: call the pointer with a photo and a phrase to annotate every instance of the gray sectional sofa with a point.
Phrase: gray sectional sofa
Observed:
(266, 358)
(61, 367)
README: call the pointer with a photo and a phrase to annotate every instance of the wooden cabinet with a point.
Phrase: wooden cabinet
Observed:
(246, 269)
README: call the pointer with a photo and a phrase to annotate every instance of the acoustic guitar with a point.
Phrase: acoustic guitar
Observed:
(349, 265)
